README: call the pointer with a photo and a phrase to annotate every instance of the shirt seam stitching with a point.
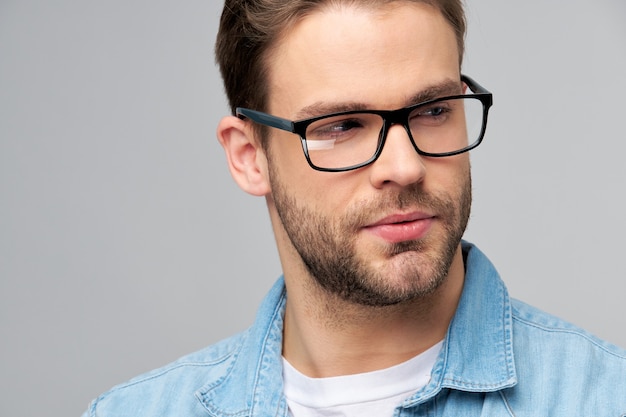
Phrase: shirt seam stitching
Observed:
(569, 331)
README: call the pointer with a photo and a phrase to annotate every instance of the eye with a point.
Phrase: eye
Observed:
(334, 128)
(436, 111)
(434, 114)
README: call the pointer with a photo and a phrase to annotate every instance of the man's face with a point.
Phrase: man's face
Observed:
(387, 232)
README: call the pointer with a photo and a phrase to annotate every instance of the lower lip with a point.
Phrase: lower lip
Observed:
(402, 232)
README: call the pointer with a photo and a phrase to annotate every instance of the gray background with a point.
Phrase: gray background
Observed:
(125, 244)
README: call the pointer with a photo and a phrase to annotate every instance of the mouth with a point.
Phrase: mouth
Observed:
(398, 228)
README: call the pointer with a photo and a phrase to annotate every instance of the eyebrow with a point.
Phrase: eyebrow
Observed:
(446, 88)
(322, 108)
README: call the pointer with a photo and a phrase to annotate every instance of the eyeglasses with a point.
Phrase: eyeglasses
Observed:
(349, 140)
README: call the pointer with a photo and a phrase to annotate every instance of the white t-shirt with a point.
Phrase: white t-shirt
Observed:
(375, 394)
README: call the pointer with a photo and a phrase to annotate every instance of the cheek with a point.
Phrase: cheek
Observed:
(328, 193)
(450, 173)
(324, 195)
(285, 151)
(286, 162)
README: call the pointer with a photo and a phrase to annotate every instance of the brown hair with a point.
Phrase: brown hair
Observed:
(249, 29)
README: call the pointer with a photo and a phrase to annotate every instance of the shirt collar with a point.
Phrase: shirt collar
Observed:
(477, 354)
(253, 384)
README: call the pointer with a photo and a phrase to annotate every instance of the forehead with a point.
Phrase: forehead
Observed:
(374, 55)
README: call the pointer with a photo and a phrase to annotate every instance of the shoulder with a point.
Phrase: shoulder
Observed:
(542, 327)
(171, 387)
(556, 362)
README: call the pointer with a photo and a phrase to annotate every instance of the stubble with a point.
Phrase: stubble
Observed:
(412, 270)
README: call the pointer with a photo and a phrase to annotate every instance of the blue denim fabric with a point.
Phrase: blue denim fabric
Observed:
(500, 357)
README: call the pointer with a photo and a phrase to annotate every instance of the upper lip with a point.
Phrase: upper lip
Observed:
(401, 218)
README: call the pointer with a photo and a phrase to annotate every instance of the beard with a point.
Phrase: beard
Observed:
(329, 247)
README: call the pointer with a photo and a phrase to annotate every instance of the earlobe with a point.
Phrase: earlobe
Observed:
(245, 157)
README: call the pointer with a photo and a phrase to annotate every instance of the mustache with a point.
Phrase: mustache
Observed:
(411, 197)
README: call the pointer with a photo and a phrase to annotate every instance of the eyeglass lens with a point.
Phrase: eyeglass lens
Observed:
(437, 128)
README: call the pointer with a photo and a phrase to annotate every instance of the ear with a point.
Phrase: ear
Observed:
(246, 159)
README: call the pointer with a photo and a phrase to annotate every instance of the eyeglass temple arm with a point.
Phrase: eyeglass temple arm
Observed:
(265, 119)
(288, 125)
(473, 85)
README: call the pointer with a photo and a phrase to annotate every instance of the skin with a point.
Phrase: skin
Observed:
(410, 275)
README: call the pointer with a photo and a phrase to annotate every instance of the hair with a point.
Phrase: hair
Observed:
(249, 29)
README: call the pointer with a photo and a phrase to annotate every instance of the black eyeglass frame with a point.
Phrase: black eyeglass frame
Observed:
(390, 118)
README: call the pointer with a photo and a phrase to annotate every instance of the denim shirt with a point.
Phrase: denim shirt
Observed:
(500, 357)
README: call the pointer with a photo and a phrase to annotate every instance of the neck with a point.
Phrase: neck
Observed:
(328, 336)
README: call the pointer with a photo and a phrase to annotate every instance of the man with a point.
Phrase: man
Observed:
(353, 120)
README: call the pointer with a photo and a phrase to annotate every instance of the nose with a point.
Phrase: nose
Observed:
(399, 163)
